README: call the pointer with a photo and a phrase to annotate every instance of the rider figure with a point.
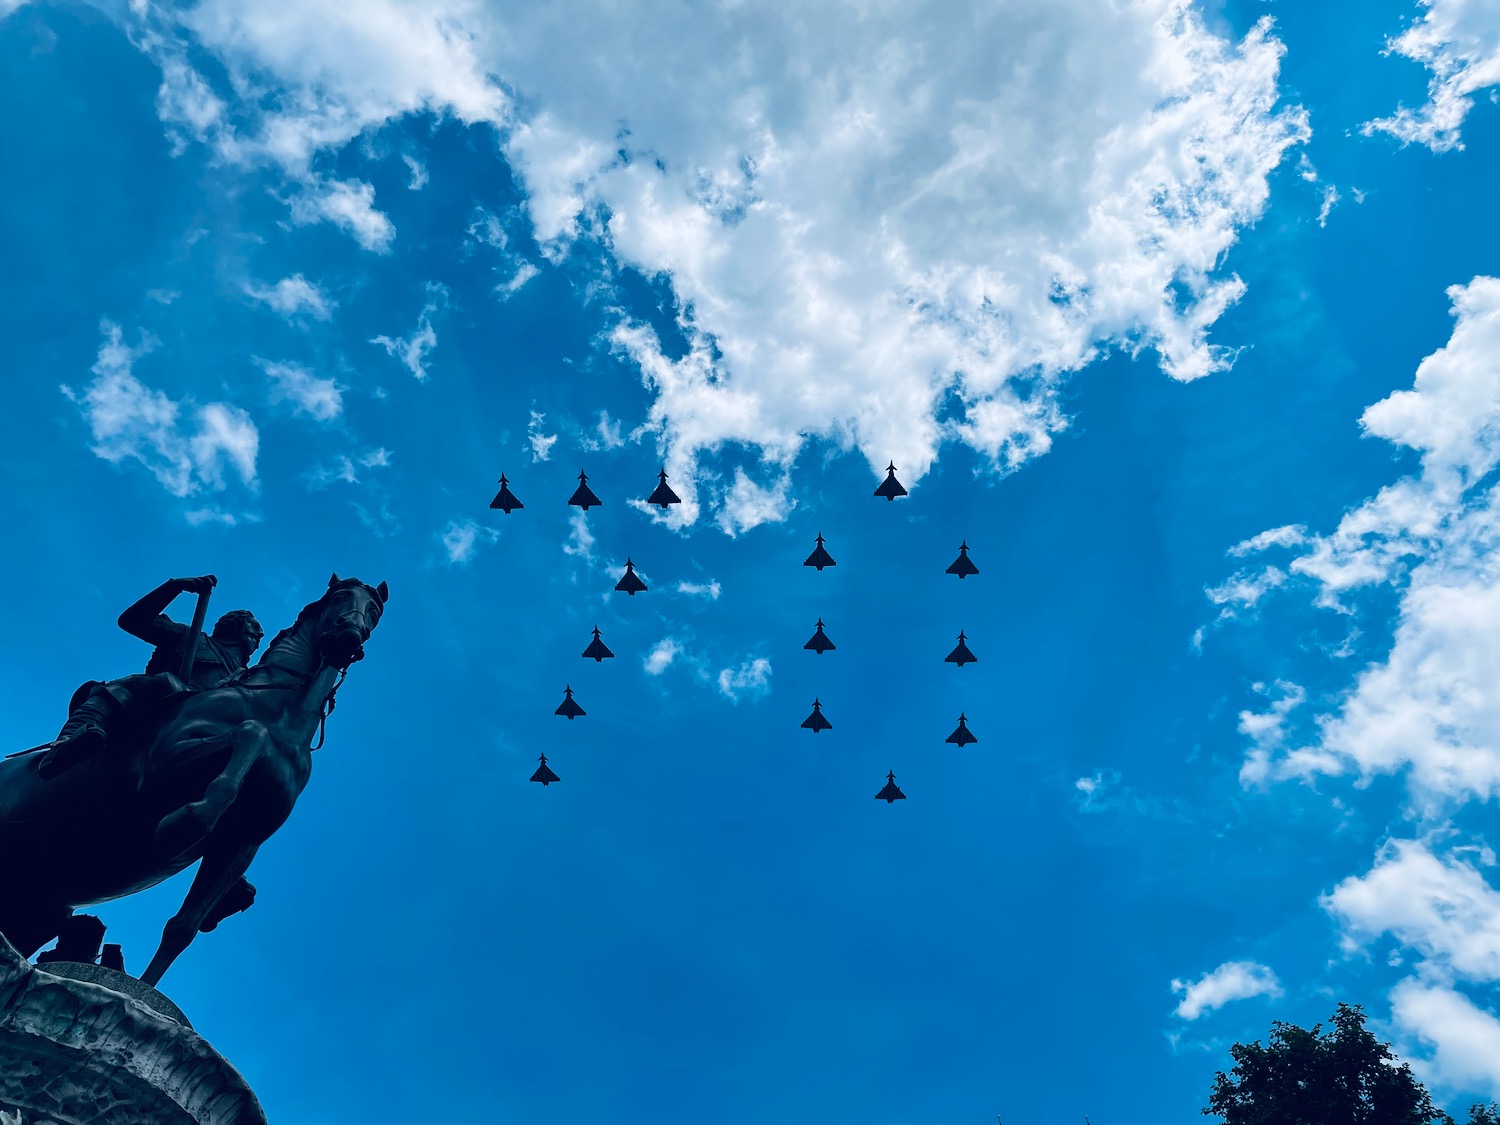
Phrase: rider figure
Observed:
(99, 706)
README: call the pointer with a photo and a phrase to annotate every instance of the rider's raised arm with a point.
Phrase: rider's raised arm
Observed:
(146, 619)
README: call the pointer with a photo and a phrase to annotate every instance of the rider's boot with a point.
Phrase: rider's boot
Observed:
(82, 736)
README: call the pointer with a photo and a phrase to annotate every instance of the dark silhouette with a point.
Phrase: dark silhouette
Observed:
(961, 735)
(1330, 1077)
(816, 722)
(544, 774)
(568, 707)
(211, 777)
(960, 654)
(890, 488)
(505, 499)
(583, 496)
(597, 649)
(182, 661)
(663, 495)
(890, 793)
(962, 566)
(112, 957)
(819, 558)
(629, 582)
(819, 641)
(77, 940)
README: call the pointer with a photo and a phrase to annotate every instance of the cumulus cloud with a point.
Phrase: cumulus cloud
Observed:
(131, 421)
(660, 658)
(1006, 191)
(1233, 980)
(751, 678)
(292, 296)
(412, 350)
(320, 399)
(461, 537)
(1461, 1039)
(1459, 42)
(747, 504)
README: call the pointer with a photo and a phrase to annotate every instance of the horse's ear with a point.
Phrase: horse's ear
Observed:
(333, 580)
(383, 592)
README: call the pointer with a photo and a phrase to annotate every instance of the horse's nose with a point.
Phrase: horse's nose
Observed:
(352, 620)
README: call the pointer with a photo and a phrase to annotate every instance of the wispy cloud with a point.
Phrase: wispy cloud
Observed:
(1459, 42)
(661, 656)
(320, 399)
(541, 443)
(462, 537)
(293, 296)
(749, 679)
(1233, 980)
(412, 350)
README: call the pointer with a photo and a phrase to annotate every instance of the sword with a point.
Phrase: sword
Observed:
(190, 638)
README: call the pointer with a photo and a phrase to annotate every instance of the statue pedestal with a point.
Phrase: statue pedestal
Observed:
(85, 1045)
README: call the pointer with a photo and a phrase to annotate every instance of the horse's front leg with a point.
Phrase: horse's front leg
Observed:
(217, 874)
(181, 832)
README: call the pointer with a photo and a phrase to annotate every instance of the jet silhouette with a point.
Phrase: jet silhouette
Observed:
(597, 649)
(890, 488)
(583, 496)
(961, 736)
(816, 722)
(505, 499)
(962, 566)
(543, 774)
(960, 654)
(628, 582)
(568, 707)
(820, 642)
(663, 495)
(890, 793)
(819, 558)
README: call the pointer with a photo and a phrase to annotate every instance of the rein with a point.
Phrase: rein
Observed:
(325, 708)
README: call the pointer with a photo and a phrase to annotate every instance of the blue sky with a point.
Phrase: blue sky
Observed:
(1182, 316)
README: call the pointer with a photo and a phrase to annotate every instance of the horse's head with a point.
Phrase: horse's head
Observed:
(347, 614)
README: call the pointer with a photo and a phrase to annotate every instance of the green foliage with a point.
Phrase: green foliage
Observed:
(1484, 1114)
(1341, 1076)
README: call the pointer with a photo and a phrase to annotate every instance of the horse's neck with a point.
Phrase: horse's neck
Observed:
(293, 664)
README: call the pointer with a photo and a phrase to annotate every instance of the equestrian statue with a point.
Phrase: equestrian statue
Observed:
(198, 760)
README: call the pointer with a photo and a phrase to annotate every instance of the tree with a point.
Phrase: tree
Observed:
(1342, 1076)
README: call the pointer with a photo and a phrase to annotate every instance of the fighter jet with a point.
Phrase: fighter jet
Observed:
(890, 793)
(543, 774)
(820, 642)
(628, 582)
(962, 566)
(663, 495)
(962, 735)
(961, 654)
(583, 496)
(819, 558)
(890, 488)
(568, 707)
(505, 499)
(816, 722)
(597, 649)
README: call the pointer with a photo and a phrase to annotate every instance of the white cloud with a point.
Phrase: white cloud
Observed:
(580, 542)
(541, 444)
(418, 172)
(751, 678)
(320, 399)
(525, 271)
(293, 295)
(709, 590)
(748, 505)
(1463, 1040)
(461, 537)
(1092, 790)
(1267, 730)
(345, 468)
(129, 420)
(1459, 42)
(1291, 535)
(660, 658)
(412, 350)
(867, 212)
(1246, 587)
(1233, 980)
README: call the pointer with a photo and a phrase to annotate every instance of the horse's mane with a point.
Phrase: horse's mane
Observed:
(305, 612)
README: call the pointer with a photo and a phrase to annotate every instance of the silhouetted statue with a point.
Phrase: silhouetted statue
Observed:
(598, 651)
(629, 582)
(583, 496)
(181, 661)
(960, 654)
(209, 776)
(962, 566)
(891, 792)
(890, 488)
(819, 558)
(112, 957)
(505, 499)
(77, 940)
(816, 721)
(819, 641)
(662, 494)
(543, 774)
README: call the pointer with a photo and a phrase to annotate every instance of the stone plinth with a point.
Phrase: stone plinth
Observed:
(84, 1045)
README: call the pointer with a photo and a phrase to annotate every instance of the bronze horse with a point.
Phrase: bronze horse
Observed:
(210, 780)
